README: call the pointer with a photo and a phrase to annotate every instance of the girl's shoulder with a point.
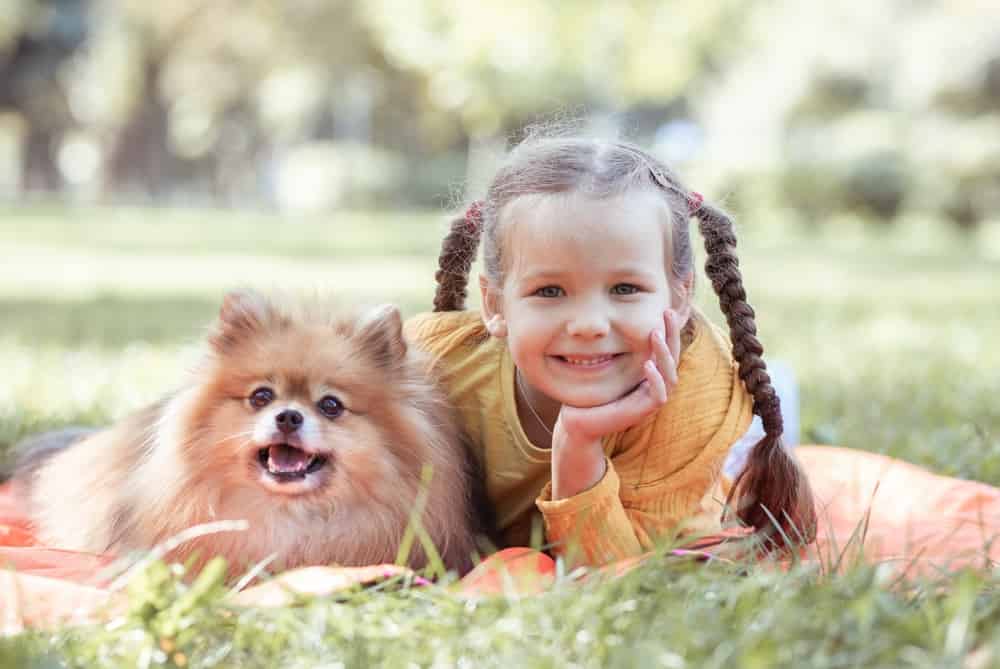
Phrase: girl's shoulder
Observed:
(705, 341)
(441, 332)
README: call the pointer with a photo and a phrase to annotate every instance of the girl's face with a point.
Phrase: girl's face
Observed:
(585, 285)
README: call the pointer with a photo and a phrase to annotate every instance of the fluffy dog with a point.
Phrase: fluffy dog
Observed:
(312, 426)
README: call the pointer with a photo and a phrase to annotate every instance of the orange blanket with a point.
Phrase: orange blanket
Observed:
(871, 508)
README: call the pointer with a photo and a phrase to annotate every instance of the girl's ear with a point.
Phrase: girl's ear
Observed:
(492, 308)
(681, 295)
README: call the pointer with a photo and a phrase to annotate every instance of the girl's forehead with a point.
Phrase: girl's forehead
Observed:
(636, 221)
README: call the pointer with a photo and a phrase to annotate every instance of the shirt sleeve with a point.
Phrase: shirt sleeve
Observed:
(592, 527)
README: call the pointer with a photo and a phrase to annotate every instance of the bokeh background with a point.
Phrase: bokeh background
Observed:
(883, 107)
(155, 154)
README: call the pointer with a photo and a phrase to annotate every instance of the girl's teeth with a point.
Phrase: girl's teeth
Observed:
(587, 362)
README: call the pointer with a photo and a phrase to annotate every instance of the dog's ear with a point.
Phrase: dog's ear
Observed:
(380, 331)
(243, 313)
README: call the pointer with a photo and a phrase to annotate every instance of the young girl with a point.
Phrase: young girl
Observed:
(597, 396)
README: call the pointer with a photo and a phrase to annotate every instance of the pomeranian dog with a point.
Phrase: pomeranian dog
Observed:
(313, 427)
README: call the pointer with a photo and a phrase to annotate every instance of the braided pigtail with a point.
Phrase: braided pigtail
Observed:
(458, 251)
(772, 487)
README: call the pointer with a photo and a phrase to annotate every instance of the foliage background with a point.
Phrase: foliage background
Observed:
(879, 108)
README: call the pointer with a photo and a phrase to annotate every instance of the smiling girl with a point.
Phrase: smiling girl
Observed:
(598, 398)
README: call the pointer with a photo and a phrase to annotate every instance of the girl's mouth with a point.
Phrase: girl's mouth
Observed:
(285, 463)
(587, 362)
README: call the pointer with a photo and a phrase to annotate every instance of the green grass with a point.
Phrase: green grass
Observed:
(892, 335)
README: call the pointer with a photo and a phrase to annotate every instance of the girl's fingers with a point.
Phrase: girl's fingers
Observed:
(659, 376)
(623, 413)
(657, 384)
(600, 420)
(672, 321)
(648, 396)
(664, 359)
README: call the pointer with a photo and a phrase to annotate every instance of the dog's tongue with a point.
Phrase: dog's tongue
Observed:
(284, 459)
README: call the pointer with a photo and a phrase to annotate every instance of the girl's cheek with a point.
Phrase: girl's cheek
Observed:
(651, 319)
(643, 338)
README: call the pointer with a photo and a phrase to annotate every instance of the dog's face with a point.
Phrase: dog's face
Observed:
(298, 406)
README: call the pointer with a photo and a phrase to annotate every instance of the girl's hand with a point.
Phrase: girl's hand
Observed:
(577, 455)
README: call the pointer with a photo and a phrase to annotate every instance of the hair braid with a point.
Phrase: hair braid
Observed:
(458, 251)
(772, 487)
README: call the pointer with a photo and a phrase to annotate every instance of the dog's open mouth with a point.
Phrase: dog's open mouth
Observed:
(285, 463)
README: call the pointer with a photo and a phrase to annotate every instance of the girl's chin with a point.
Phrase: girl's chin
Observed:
(583, 399)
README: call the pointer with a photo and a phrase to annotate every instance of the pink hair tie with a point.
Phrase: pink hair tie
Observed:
(695, 201)
(474, 216)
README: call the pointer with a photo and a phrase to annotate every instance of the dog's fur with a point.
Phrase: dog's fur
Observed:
(203, 453)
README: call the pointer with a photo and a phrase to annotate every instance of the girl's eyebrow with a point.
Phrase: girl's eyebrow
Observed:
(630, 270)
(540, 274)
(548, 274)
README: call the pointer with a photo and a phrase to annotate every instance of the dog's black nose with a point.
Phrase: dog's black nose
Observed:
(288, 420)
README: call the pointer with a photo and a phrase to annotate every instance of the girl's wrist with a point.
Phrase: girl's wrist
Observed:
(577, 465)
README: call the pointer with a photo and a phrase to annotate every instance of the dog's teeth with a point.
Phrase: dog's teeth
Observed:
(282, 459)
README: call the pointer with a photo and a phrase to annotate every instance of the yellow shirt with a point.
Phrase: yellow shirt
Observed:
(663, 474)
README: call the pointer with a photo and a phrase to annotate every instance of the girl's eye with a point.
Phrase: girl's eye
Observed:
(261, 397)
(550, 291)
(330, 406)
(625, 289)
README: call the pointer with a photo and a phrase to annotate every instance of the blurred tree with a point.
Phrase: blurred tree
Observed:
(493, 65)
(874, 106)
(877, 108)
(36, 41)
(220, 92)
(228, 88)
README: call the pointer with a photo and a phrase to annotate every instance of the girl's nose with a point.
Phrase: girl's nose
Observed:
(591, 324)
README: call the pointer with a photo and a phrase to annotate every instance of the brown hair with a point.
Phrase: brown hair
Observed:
(772, 488)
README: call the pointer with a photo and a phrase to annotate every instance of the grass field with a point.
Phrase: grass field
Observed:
(892, 333)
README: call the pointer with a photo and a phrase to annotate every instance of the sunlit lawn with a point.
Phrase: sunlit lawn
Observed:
(892, 335)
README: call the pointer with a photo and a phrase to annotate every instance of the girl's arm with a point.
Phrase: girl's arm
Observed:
(665, 473)
(664, 479)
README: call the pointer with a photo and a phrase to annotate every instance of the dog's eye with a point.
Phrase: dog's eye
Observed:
(330, 406)
(261, 397)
